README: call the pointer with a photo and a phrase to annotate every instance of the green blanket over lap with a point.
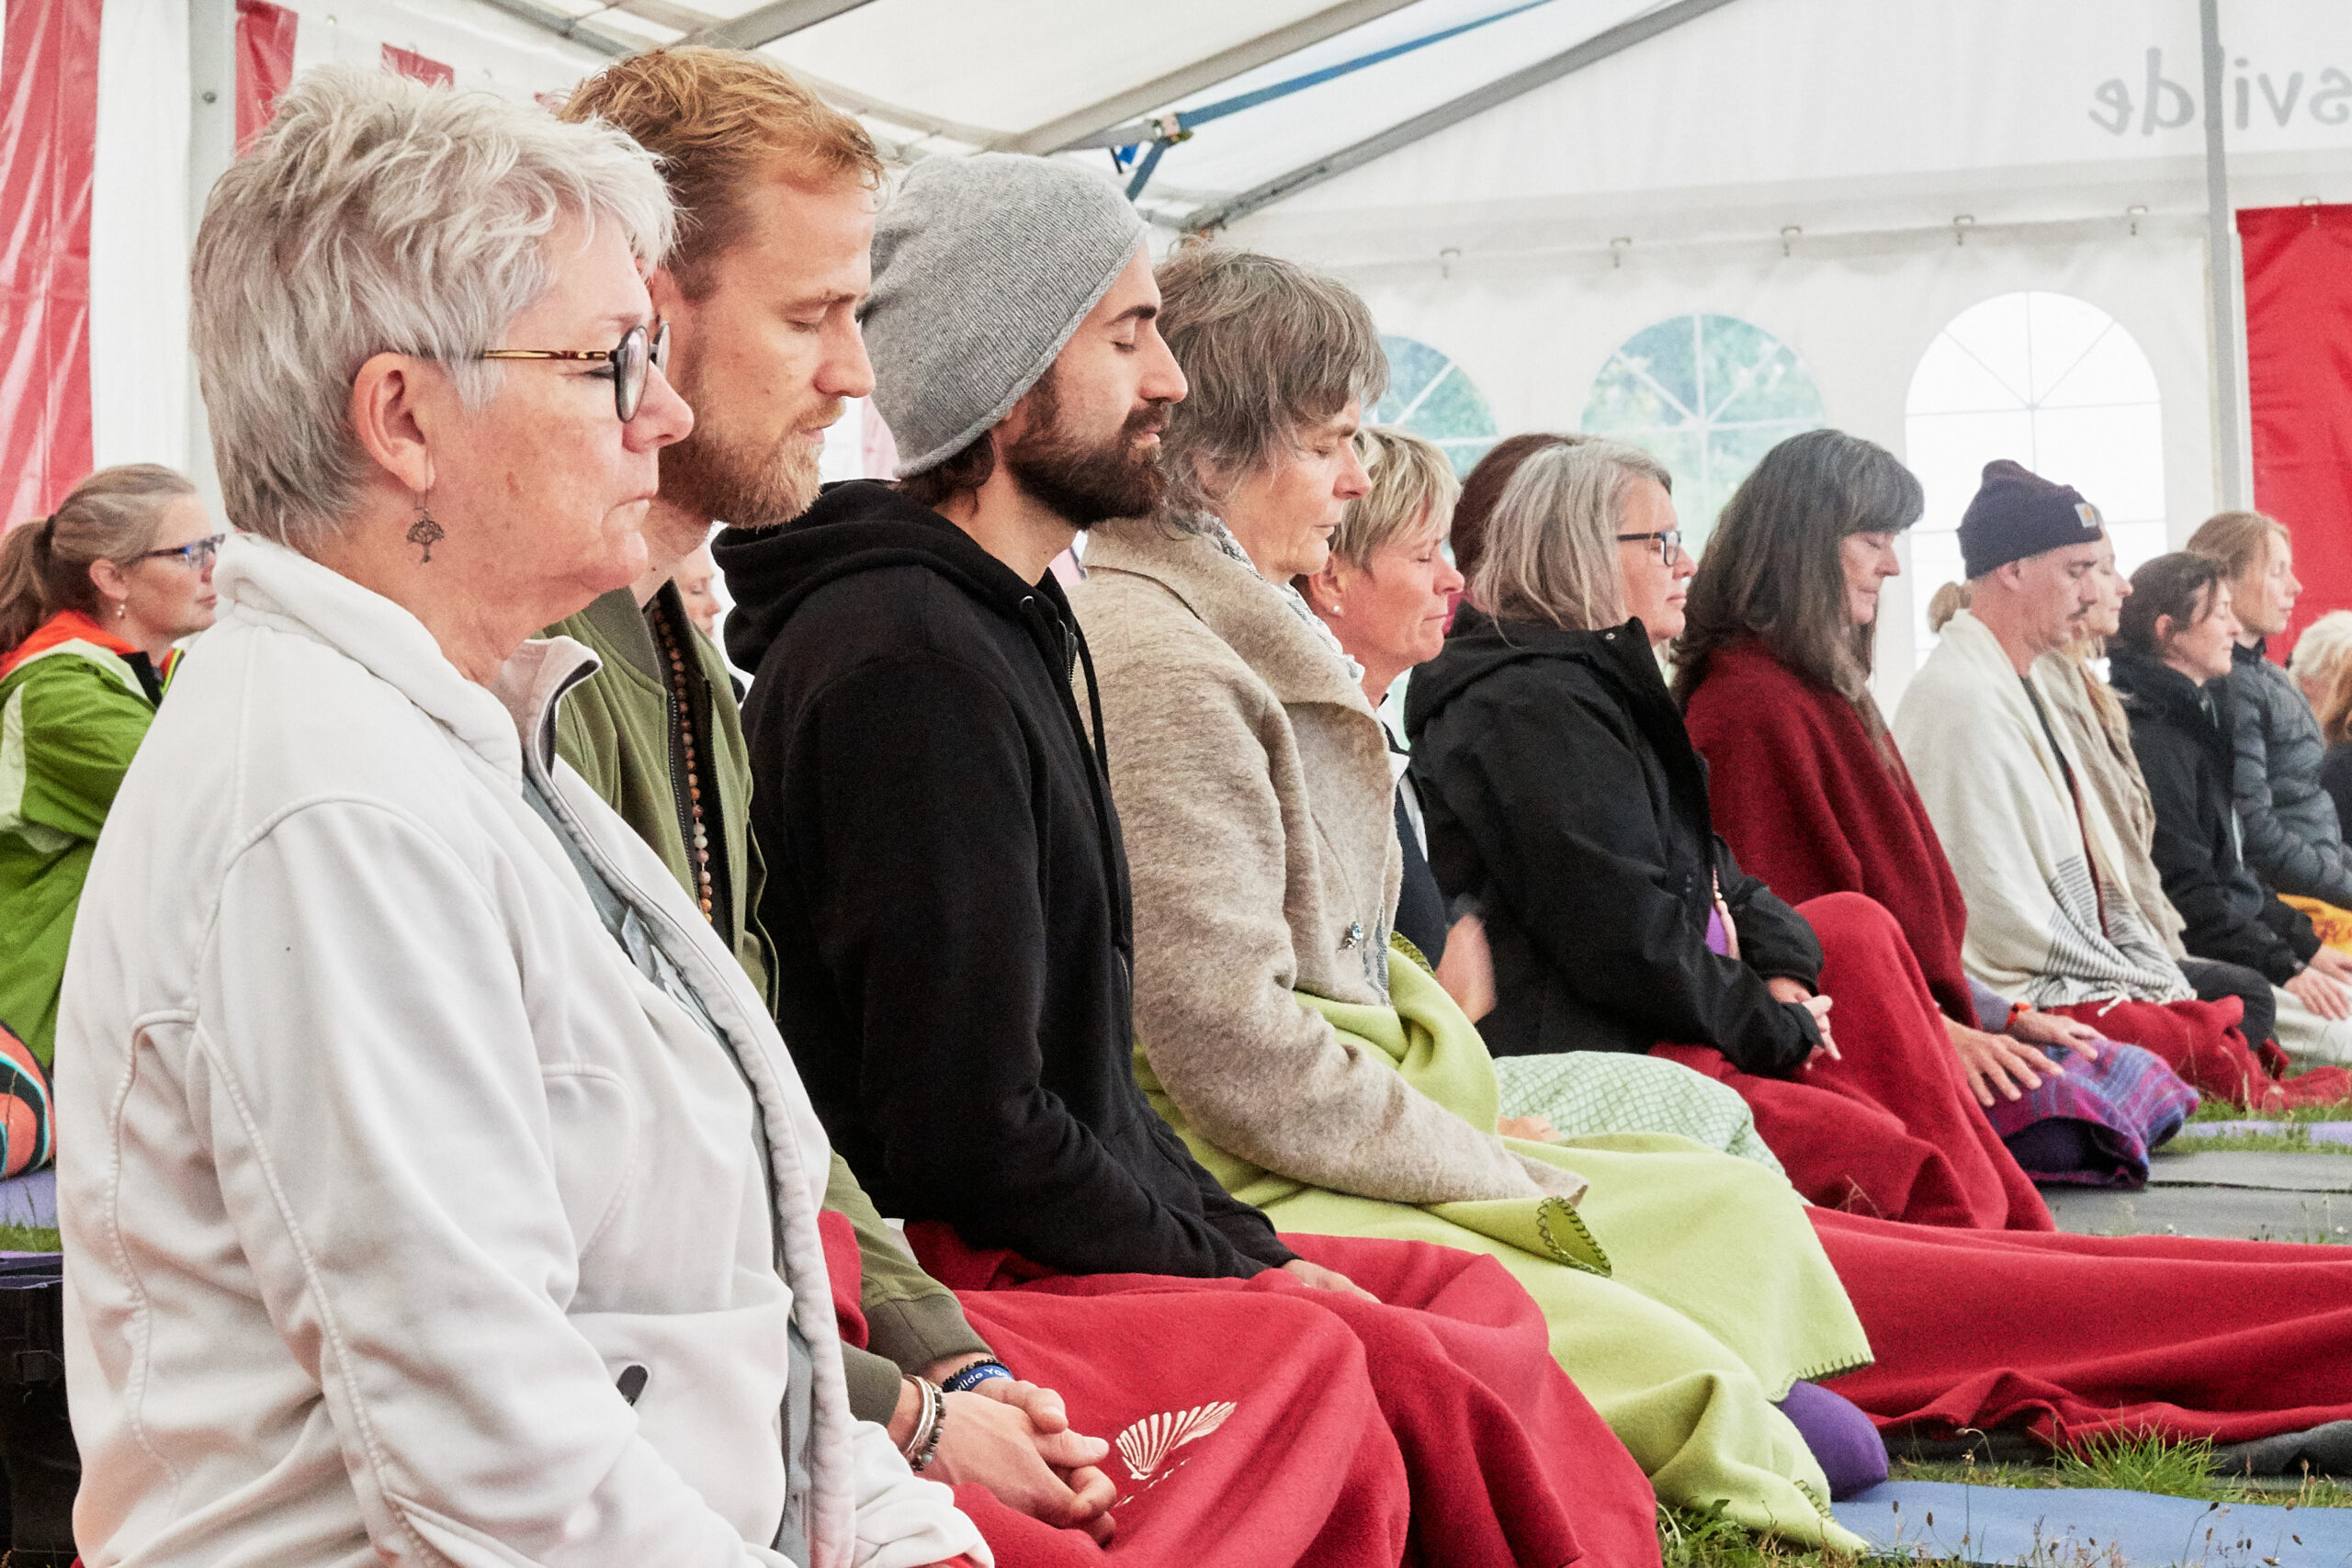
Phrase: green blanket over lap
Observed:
(1685, 1291)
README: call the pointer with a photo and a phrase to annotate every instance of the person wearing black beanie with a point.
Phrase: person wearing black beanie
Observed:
(2050, 917)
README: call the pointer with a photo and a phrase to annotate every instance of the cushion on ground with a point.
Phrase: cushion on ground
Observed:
(1999, 1525)
(2318, 1450)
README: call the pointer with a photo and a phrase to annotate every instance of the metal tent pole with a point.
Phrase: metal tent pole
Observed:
(2221, 267)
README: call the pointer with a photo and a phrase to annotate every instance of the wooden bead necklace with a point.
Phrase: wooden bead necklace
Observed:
(699, 851)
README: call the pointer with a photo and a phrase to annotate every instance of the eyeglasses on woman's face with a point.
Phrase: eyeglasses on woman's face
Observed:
(198, 554)
(638, 354)
(1667, 540)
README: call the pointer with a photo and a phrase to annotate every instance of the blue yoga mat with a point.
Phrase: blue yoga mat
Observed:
(31, 1199)
(2006, 1525)
(2321, 1131)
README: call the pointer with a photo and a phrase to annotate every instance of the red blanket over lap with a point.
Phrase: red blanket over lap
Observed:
(1890, 1129)
(1810, 806)
(1507, 1463)
(2202, 1042)
(2071, 1336)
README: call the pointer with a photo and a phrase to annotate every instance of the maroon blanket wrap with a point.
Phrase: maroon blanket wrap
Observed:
(1430, 1427)
(2072, 1337)
(1891, 1128)
(1810, 806)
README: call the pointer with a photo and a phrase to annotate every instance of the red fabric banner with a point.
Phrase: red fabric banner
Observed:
(408, 62)
(49, 113)
(2299, 376)
(264, 64)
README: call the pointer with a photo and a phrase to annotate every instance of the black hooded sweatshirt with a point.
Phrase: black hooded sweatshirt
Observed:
(2181, 734)
(947, 894)
(1561, 791)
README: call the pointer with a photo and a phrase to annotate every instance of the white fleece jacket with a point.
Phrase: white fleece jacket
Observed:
(382, 1165)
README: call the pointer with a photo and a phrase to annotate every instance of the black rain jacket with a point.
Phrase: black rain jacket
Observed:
(947, 894)
(1561, 791)
(2182, 733)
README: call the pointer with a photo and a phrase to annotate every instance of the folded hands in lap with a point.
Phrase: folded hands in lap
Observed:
(1014, 1438)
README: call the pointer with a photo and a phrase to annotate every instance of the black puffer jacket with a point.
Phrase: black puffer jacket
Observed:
(2182, 734)
(1561, 788)
(947, 895)
(2293, 841)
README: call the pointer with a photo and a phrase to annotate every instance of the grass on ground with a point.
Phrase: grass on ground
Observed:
(26, 1238)
(2295, 1140)
(2131, 1464)
(2212, 1110)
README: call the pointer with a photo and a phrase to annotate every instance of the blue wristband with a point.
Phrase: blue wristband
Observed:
(973, 1376)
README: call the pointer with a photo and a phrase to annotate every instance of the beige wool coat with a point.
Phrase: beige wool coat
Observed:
(1252, 784)
(2111, 770)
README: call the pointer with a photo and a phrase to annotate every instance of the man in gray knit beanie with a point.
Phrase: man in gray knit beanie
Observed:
(986, 269)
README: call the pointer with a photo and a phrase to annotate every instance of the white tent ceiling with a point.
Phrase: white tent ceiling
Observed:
(1523, 196)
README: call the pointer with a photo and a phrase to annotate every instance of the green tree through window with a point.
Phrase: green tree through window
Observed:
(1707, 395)
(1432, 396)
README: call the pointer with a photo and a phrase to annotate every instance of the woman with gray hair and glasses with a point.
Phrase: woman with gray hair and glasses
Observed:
(1559, 783)
(437, 1187)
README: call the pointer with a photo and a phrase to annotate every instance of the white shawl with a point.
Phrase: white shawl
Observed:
(2042, 924)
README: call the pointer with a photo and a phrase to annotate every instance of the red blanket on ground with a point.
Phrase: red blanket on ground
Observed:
(1810, 807)
(1891, 1129)
(2200, 1041)
(2071, 1336)
(1433, 1428)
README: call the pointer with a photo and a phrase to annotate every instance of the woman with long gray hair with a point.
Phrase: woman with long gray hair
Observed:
(437, 1188)
(1558, 780)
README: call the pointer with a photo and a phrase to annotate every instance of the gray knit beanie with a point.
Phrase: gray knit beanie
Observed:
(983, 267)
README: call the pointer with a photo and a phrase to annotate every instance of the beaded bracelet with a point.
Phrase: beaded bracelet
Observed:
(923, 1444)
(969, 1378)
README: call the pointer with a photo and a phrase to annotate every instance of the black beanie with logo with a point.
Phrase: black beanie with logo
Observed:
(2017, 513)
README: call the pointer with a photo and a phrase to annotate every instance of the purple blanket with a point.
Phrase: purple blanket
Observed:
(2123, 1104)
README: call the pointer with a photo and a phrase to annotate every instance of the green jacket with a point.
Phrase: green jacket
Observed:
(616, 728)
(615, 725)
(74, 708)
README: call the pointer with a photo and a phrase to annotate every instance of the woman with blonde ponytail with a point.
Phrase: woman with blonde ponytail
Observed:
(92, 600)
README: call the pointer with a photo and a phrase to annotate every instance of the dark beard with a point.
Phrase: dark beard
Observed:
(1084, 484)
(749, 489)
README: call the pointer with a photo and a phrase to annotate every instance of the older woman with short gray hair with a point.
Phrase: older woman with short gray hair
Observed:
(437, 1188)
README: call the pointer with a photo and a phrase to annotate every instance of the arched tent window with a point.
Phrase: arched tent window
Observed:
(2053, 382)
(1434, 398)
(1707, 395)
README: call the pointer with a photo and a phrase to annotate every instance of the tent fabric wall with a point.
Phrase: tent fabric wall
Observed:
(1533, 332)
(2299, 362)
(48, 66)
(265, 35)
(138, 391)
(408, 62)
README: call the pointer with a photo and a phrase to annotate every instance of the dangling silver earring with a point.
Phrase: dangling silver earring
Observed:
(424, 531)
